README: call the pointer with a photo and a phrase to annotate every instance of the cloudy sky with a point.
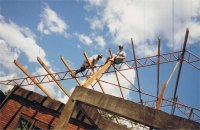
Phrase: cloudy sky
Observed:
(49, 29)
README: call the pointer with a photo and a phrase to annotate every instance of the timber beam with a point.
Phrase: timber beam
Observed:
(31, 77)
(68, 67)
(50, 73)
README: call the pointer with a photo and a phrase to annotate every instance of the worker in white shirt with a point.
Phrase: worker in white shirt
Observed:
(119, 58)
(121, 55)
(93, 59)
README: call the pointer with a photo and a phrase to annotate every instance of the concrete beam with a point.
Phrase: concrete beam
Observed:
(66, 113)
(132, 111)
(98, 120)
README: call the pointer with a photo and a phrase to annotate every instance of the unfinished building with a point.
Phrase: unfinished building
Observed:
(90, 109)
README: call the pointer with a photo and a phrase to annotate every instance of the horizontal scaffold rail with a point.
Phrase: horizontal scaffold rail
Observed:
(190, 58)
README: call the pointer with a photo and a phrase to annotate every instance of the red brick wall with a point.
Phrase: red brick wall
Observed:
(73, 127)
(13, 109)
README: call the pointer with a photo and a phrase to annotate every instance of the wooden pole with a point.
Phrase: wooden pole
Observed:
(135, 61)
(92, 68)
(111, 55)
(49, 72)
(33, 79)
(118, 81)
(68, 67)
(179, 69)
(88, 60)
(158, 67)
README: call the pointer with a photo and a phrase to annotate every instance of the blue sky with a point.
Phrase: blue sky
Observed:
(49, 29)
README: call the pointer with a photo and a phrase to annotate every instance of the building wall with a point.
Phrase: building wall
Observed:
(32, 107)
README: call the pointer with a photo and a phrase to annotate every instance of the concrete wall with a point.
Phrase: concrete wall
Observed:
(129, 110)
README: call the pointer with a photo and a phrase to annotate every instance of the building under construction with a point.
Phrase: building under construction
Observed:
(90, 109)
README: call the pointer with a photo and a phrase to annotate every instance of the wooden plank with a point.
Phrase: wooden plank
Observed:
(159, 102)
(97, 74)
(33, 79)
(68, 67)
(49, 72)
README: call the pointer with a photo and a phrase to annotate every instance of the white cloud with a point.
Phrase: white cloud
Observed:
(7, 87)
(95, 23)
(7, 56)
(79, 46)
(95, 2)
(63, 99)
(84, 38)
(146, 49)
(21, 39)
(51, 22)
(145, 20)
(100, 41)
(16, 40)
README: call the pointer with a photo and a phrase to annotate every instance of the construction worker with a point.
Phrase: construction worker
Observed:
(93, 59)
(121, 55)
(119, 58)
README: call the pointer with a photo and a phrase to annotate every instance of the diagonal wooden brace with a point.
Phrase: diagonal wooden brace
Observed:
(33, 79)
(55, 80)
(98, 73)
(68, 67)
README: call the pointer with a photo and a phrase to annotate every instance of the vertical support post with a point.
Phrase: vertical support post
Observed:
(118, 81)
(49, 72)
(66, 114)
(158, 68)
(33, 79)
(191, 111)
(135, 60)
(111, 55)
(179, 69)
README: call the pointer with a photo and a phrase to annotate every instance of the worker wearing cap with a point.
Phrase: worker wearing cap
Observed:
(121, 55)
(94, 59)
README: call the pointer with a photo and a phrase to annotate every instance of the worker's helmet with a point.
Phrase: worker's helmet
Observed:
(100, 56)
